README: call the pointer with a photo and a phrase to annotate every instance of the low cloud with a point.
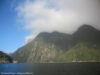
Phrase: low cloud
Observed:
(58, 15)
(30, 38)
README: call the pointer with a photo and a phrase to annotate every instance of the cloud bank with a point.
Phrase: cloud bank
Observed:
(57, 15)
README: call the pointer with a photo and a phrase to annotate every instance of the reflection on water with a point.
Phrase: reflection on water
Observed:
(51, 69)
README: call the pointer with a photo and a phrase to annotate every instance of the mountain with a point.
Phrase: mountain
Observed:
(83, 45)
(4, 58)
(44, 47)
(86, 34)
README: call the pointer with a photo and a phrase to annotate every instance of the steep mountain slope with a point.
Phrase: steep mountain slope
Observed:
(83, 45)
(43, 48)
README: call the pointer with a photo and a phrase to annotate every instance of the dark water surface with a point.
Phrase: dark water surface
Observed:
(85, 68)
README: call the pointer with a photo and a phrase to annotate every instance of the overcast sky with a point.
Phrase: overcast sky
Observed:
(58, 15)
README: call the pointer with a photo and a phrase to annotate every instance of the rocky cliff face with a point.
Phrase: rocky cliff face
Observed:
(61, 47)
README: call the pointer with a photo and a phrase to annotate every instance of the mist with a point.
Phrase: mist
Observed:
(57, 15)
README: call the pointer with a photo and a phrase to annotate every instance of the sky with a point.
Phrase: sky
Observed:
(11, 32)
(22, 20)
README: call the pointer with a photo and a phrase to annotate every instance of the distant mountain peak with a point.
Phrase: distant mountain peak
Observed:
(86, 27)
(86, 30)
(87, 33)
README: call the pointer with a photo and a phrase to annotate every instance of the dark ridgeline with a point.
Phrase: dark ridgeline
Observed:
(4, 58)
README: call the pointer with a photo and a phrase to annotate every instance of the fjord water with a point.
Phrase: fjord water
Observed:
(15, 69)
(74, 68)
